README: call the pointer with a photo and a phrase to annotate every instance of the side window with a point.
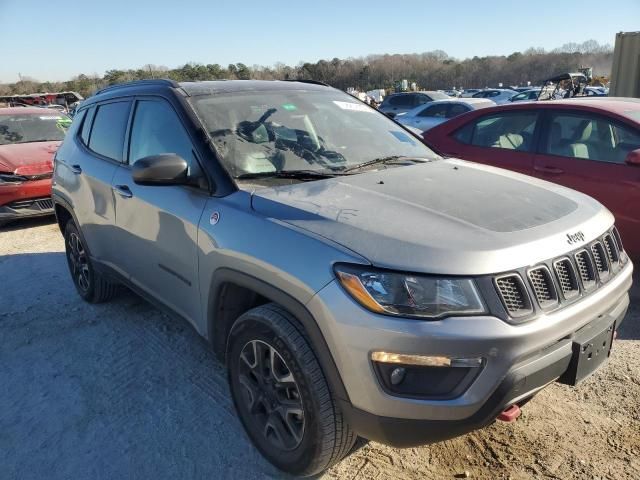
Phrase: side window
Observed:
(79, 120)
(439, 111)
(456, 109)
(108, 130)
(86, 125)
(157, 129)
(402, 101)
(590, 137)
(420, 99)
(511, 131)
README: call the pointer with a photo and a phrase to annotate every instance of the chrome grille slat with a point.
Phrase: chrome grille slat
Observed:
(514, 295)
(543, 286)
(612, 250)
(600, 259)
(586, 269)
(567, 278)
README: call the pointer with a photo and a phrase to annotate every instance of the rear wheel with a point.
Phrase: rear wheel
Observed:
(90, 284)
(281, 394)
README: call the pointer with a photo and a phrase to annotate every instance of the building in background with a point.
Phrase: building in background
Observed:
(625, 72)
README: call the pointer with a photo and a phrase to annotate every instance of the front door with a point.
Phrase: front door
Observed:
(158, 225)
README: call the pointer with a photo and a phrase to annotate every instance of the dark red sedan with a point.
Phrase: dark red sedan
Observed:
(29, 138)
(591, 145)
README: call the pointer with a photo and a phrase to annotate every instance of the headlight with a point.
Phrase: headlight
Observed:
(410, 295)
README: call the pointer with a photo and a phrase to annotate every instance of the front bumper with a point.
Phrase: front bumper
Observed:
(519, 360)
(28, 199)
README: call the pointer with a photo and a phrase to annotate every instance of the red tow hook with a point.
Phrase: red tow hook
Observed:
(511, 414)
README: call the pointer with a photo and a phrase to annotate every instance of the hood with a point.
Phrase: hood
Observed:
(28, 158)
(447, 216)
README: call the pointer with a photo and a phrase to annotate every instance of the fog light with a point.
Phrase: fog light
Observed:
(397, 375)
(425, 360)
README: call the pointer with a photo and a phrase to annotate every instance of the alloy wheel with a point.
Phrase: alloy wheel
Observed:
(78, 262)
(270, 395)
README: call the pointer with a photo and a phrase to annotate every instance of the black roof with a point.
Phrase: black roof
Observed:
(206, 87)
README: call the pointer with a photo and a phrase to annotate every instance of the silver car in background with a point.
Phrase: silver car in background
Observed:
(530, 95)
(428, 116)
(397, 103)
(498, 95)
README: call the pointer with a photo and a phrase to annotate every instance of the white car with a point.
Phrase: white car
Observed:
(498, 95)
(431, 114)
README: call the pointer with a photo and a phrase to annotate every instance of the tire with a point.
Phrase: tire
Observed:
(285, 404)
(90, 284)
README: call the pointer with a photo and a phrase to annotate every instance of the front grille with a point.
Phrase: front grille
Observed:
(600, 259)
(559, 281)
(586, 269)
(543, 286)
(514, 295)
(45, 204)
(37, 204)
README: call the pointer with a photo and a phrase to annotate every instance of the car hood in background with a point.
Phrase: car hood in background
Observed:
(34, 158)
(447, 216)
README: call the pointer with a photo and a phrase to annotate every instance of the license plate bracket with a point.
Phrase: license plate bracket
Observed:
(589, 352)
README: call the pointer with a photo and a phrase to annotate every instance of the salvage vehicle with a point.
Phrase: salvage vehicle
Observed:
(397, 103)
(589, 144)
(431, 114)
(354, 282)
(29, 137)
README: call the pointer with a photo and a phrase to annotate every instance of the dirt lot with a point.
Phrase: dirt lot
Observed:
(121, 391)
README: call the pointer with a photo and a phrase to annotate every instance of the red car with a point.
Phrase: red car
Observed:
(591, 145)
(29, 138)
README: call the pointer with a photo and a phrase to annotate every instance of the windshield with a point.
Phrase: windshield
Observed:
(25, 128)
(278, 131)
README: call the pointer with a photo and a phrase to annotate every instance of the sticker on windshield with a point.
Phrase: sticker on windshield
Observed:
(352, 106)
(289, 107)
(403, 137)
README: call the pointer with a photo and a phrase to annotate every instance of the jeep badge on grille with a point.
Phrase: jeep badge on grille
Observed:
(575, 237)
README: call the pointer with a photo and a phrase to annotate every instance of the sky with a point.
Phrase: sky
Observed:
(55, 41)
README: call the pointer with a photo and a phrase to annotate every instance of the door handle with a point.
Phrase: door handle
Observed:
(76, 169)
(123, 191)
(548, 169)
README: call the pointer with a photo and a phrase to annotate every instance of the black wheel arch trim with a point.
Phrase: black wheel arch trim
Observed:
(218, 336)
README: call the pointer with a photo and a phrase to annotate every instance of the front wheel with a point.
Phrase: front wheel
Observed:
(90, 284)
(281, 394)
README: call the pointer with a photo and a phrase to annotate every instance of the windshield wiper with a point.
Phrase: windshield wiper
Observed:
(384, 160)
(297, 174)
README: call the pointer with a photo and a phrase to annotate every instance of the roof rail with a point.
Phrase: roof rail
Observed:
(313, 82)
(161, 82)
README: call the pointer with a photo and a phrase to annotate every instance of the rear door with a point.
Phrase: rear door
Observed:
(86, 166)
(586, 151)
(506, 139)
(158, 225)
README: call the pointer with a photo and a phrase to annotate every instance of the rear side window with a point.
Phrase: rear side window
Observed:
(456, 109)
(86, 125)
(108, 131)
(438, 111)
(401, 101)
(512, 131)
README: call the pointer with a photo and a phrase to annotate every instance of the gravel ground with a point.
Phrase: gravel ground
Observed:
(120, 390)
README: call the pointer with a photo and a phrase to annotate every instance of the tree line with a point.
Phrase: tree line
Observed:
(429, 70)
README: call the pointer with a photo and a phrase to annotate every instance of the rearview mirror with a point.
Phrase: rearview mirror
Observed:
(162, 169)
(633, 158)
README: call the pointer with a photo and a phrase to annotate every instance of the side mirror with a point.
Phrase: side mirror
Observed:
(633, 158)
(162, 169)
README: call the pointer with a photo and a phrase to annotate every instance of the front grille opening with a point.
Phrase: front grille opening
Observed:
(586, 270)
(567, 278)
(514, 295)
(543, 287)
(616, 237)
(612, 250)
(600, 259)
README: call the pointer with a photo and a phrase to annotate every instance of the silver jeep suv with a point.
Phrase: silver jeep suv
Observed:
(354, 282)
